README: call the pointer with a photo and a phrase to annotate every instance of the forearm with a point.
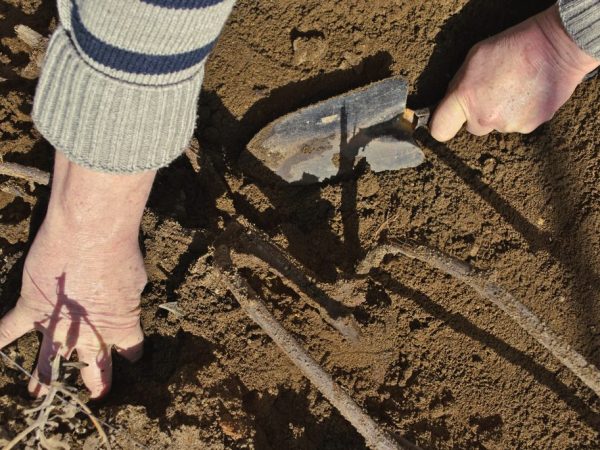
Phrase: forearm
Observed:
(569, 52)
(93, 207)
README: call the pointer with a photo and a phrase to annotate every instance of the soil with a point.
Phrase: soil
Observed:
(434, 363)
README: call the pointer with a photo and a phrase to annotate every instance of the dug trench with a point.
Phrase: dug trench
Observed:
(433, 364)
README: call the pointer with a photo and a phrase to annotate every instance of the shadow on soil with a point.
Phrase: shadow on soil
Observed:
(281, 420)
(302, 215)
(463, 326)
(300, 212)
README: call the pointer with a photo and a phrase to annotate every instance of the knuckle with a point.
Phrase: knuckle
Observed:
(548, 117)
(477, 52)
(476, 49)
(486, 123)
(528, 129)
(5, 332)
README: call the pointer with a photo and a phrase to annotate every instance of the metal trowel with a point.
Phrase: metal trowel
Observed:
(326, 139)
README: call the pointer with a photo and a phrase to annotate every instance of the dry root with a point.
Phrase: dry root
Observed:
(491, 291)
(30, 174)
(13, 188)
(60, 404)
(253, 242)
(37, 44)
(375, 436)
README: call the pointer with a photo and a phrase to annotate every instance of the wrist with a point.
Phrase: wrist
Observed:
(95, 207)
(566, 51)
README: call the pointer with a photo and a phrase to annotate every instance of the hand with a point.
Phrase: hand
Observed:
(515, 81)
(84, 274)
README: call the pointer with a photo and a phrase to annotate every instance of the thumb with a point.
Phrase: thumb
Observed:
(14, 325)
(448, 118)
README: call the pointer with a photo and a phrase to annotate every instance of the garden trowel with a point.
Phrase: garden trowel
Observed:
(327, 139)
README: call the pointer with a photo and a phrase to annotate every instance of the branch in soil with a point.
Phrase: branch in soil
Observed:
(30, 174)
(491, 291)
(375, 436)
(37, 44)
(12, 187)
(253, 242)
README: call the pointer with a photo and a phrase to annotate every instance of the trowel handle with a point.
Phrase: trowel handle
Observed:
(418, 118)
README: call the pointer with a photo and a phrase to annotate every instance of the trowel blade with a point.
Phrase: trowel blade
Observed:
(324, 140)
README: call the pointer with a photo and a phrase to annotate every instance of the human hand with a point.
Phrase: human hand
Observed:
(84, 274)
(515, 81)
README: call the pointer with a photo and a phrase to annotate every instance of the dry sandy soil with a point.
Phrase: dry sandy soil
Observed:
(434, 364)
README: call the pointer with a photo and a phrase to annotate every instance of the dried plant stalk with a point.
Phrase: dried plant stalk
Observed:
(491, 291)
(30, 174)
(12, 187)
(375, 436)
(336, 315)
(37, 44)
(29, 36)
(56, 391)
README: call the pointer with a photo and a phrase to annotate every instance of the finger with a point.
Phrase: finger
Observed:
(12, 326)
(448, 118)
(97, 375)
(132, 347)
(42, 375)
(477, 129)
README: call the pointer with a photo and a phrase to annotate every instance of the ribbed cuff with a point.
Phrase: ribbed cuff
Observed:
(106, 124)
(581, 19)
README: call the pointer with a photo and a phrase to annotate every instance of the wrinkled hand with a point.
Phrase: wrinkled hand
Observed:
(515, 81)
(84, 275)
(83, 297)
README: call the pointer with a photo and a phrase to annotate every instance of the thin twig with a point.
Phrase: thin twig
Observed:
(87, 411)
(193, 154)
(12, 187)
(375, 436)
(22, 435)
(491, 291)
(37, 45)
(335, 314)
(386, 224)
(29, 36)
(30, 174)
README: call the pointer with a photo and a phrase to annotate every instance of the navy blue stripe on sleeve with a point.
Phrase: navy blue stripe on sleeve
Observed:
(133, 62)
(183, 4)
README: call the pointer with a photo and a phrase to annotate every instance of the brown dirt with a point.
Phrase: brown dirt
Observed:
(434, 363)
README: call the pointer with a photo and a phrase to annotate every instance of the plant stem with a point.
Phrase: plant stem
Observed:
(497, 295)
(375, 437)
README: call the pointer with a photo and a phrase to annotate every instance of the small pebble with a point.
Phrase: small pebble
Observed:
(489, 166)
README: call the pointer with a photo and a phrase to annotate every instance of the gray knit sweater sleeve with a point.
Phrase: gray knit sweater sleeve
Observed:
(120, 82)
(582, 20)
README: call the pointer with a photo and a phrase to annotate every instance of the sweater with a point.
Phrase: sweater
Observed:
(120, 81)
(581, 19)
